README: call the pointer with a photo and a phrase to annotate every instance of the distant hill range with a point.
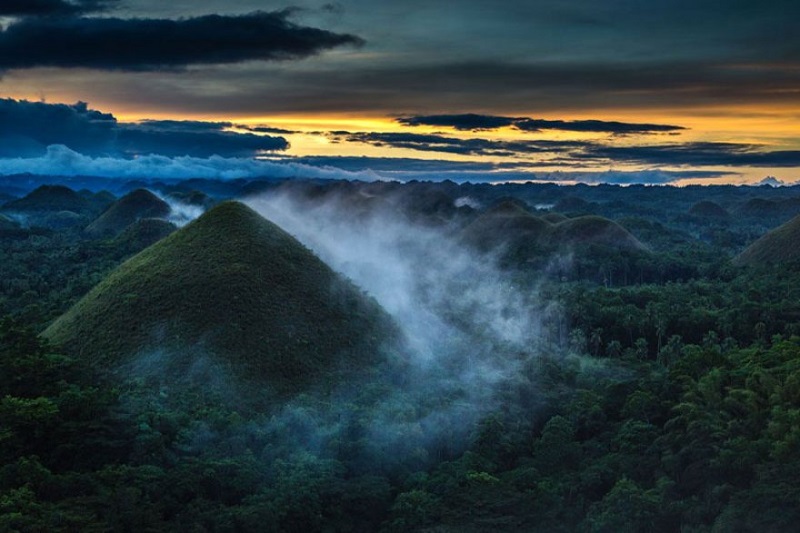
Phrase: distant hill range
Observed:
(236, 289)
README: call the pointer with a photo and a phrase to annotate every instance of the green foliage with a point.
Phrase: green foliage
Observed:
(667, 397)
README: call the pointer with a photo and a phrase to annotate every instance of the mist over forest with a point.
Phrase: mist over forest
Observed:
(317, 355)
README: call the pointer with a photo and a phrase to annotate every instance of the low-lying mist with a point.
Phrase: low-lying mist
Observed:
(469, 331)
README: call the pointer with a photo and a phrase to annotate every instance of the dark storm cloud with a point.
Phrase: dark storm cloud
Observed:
(28, 128)
(454, 145)
(576, 152)
(475, 122)
(268, 129)
(185, 125)
(696, 153)
(432, 89)
(397, 164)
(464, 122)
(594, 126)
(27, 8)
(152, 44)
(149, 139)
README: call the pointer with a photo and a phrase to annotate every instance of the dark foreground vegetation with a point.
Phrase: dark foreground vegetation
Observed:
(664, 394)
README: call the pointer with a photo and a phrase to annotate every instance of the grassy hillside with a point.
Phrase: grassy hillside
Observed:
(134, 206)
(238, 288)
(776, 248)
(143, 233)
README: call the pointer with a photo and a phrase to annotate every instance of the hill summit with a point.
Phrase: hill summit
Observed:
(238, 288)
(134, 206)
(50, 198)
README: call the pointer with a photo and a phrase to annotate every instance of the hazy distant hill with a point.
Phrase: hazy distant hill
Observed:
(776, 248)
(195, 198)
(7, 223)
(757, 207)
(51, 199)
(525, 237)
(707, 208)
(238, 288)
(594, 230)
(101, 199)
(508, 223)
(134, 206)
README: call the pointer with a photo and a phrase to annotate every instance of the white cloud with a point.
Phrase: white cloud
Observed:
(61, 161)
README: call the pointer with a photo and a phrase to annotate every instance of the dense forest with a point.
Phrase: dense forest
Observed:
(660, 390)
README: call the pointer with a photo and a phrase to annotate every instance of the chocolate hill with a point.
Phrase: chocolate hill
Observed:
(134, 206)
(779, 247)
(236, 287)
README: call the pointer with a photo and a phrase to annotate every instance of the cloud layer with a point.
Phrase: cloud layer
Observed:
(471, 121)
(24, 8)
(461, 146)
(702, 154)
(150, 44)
(696, 154)
(28, 128)
(61, 161)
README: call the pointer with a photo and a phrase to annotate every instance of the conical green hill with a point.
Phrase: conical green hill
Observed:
(233, 285)
(504, 223)
(51, 198)
(779, 247)
(134, 206)
(594, 230)
(758, 207)
(508, 207)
